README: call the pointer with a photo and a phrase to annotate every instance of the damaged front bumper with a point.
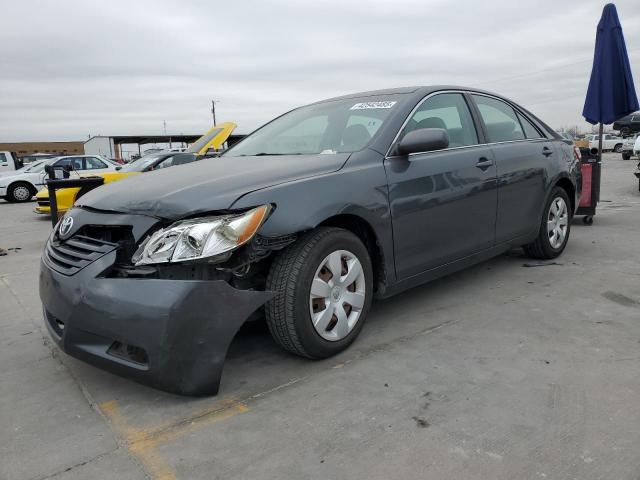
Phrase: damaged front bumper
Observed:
(170, 334)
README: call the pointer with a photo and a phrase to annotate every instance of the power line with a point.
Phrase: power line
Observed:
(544, 70)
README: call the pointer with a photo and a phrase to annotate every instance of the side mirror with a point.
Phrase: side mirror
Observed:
(118, 168)
(423, 140)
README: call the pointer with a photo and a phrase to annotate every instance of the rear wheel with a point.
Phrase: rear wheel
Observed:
(20, 192)
(626, 156)
(617, 148)
(554, 227)
(324, 289)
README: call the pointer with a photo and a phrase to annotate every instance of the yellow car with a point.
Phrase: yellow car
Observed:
(213, 139)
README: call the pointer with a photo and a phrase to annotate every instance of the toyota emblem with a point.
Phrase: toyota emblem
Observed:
(65, 227)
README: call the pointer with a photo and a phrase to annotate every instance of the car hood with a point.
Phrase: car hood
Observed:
(206, 185)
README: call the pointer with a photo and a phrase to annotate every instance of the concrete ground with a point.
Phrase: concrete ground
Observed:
(501, 371)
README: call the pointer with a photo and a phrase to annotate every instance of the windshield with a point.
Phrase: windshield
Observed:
(142, 163)
(37, 167)
(323, 128)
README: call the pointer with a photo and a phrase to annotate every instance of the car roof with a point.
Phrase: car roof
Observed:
(418, 90)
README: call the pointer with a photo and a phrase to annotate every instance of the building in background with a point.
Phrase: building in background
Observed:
(104, 146)
(110, 147)
(58, 148)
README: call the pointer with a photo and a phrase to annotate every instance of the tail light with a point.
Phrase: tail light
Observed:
(576, 153)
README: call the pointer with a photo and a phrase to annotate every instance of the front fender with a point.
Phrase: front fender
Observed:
(359, 188)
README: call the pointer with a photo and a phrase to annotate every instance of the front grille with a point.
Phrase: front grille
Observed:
(44, 203)
(70, 256)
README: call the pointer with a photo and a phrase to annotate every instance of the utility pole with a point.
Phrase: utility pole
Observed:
(213, 111)
(164, 123)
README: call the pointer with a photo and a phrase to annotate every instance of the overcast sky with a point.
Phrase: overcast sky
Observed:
(70, 69)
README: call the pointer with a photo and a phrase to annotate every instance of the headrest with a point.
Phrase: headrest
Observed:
(431, 122)
(355, 137)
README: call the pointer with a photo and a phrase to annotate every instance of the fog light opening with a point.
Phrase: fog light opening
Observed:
(128, 352)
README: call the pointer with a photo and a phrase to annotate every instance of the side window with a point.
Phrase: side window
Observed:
(3, 159)
(450, 112)
(167, 162)
(500, 119)
(529, 130)
(74, 163)
(94, 163)
(64, 162)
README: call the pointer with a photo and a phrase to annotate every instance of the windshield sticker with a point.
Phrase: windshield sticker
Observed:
(370, 105)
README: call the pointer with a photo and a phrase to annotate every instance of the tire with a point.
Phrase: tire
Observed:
(543, 247)
(626, 156)
(617, 148)
(289, 313)
(20, 192)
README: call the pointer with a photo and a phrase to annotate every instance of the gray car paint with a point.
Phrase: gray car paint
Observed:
(205, 186)
(430, 213)
(461, 230)
(453, 222)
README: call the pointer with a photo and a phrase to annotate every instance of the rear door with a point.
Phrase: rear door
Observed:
(443, 203)
(521, 153)
(75, 164)
(95, 165)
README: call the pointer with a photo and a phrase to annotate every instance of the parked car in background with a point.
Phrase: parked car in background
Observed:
(312, 216)
(609, 143)
(213, 139)
(567, 137)
(628, 125)
(627, 146)
(65, 197)
(22, 186)
(34, 157)
(9, 162)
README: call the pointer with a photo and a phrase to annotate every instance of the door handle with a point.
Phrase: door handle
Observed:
(546, 151)
(484, 163)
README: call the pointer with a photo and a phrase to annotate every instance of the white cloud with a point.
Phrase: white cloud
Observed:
(73, 68)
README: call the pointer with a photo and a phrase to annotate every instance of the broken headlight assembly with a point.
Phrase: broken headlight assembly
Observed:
(201, 238)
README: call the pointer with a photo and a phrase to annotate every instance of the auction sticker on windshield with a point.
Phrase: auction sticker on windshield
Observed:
(370, 105)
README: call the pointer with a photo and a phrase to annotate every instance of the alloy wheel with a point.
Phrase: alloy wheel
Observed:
(337, 295)
(21, 193)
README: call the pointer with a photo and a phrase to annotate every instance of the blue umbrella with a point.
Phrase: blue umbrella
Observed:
(611, 94)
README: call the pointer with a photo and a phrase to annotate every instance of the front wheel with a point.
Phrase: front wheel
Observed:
(20, 192)
(626, 156)
(617, 148)
(554, 227)
(324, 285)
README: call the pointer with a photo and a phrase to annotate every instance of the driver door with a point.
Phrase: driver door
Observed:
(443, 203)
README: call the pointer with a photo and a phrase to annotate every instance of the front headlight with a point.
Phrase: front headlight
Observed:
(202, 237)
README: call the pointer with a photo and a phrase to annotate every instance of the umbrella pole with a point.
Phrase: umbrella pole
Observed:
(599, 161)
(601, 129)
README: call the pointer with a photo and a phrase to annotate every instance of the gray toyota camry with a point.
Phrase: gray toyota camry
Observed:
(303, 222)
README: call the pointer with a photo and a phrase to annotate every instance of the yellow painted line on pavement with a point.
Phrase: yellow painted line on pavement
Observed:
(143, 442)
